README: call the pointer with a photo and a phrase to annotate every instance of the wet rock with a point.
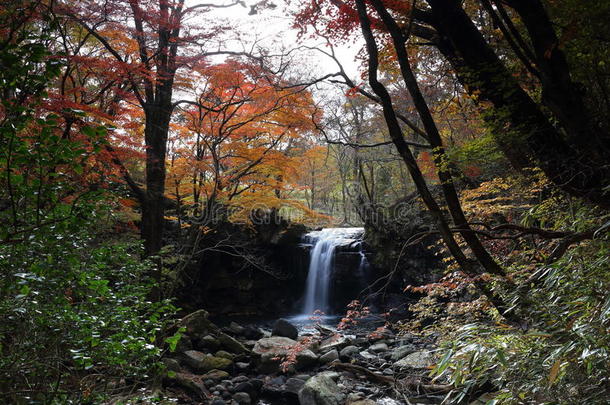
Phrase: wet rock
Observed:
(285, 329)
(224, 355)
(197, 323)
(218, 401)
(215, 375)
(190, 382)
(252, 333)
(334, 342)
(418, 360)
(269, 353)
(321, 390)
(293, 386)
(348, 352)
(210, 342)
(244, 386)
(201, 362)
(236, 328)
(171, 364)
(303, 377)
(367, 355)
(231, 344)
(242, 366)
(242, 398)
(378, 348)
(329, 356)
(402, 351)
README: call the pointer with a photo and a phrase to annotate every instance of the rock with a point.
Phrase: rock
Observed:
(269, 352)
(190, 382)
(329, 357)
(303, 377)
(197, 323)
(210, 342)
(171, 364)
(252, 333)
(334, 342)
(321, 390)
(419, 360)
(362, 402)
(184, 344)
(242, 398)
(244, 386)
(236, 328)
(348, 352)
(218, 401)
(231, 344)
(401, 351)
(293, 386)
(242, 365)
(224, 355)
(388, 371)
(367, 355)
(201, 362)
(284, 328)
(215, 375)
(378, 348)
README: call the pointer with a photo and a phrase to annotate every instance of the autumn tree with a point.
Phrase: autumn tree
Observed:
(238, 135)
(148, 43)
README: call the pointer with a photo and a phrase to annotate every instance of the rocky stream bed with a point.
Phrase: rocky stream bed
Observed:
(243, 365)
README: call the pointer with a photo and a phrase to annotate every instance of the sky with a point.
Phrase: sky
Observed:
(272, 28)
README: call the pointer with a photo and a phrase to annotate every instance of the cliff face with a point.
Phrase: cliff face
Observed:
(248, 272)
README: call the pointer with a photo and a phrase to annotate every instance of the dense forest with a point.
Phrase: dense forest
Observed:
(197, 207)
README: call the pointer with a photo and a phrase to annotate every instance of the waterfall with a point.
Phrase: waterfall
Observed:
(324, 243)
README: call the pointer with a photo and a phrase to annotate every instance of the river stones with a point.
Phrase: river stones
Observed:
(201, 362)
(334, 342)
(401, 351)
(378, 348)
(270, 352)
(329, 357)
(348, 352)
(284, 328)
(321, 390)
(416, 360)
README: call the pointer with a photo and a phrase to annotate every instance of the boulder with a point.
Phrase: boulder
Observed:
(321, 390)
(191, 382)
(417, 360)
(293, 386)
(210, 342)
(401, 351)
(197, 323)
(236, 328)
(334, 342)
(215, 375)
(224, 355)
(231, 344)
(242, 398)
(329, 356)
(378, 348)
(284, 328)
(348, 352)
(171, 364)
(270, 352)
(201, 362)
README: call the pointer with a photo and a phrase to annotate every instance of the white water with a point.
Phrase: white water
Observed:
(321, 260)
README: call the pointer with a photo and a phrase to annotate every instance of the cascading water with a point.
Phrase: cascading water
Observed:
(324, 243)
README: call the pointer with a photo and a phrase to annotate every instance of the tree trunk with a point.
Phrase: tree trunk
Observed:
(153, 211)
(519, 124)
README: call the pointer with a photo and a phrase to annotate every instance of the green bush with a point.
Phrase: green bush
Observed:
(562, 356)
(74, 317)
